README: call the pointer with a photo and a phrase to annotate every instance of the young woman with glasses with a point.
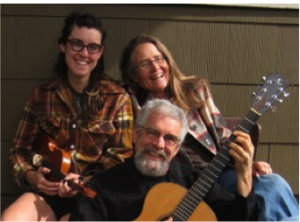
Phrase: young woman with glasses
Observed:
(85, 113)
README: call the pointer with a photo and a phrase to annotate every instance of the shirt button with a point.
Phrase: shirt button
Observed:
(207, 141)
(73, 125)
(72, 146)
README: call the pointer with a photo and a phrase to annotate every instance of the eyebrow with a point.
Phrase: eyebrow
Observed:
(79, 40)
(157, 56)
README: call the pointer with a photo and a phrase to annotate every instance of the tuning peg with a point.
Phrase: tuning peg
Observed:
(264, 78)
(253, 94)
(279, 82)
(276, 97)
(258, 87)
(286, 94)
(279, 100)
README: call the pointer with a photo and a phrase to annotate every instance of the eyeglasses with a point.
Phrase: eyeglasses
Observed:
(146, 64)
(77, 46)
(153, 134)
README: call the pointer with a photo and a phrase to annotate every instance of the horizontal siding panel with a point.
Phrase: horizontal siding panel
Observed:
(162, 11)
(8, 47)
(119, 32)
(284, 160)
(8, 185)
(235, 101)
(13, 103)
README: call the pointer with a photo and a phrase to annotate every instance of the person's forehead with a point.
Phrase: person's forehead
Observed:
(164, 123)
(86, 34)
(145, 51)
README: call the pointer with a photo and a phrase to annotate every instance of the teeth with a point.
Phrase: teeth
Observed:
(81, 62)
(155, 154)
(157, 76)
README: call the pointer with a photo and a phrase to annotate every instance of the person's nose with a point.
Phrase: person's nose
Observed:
(84, 51)
(159, 143)
(154, 64)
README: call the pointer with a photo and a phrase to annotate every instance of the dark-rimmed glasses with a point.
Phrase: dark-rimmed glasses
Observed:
(77, 46)
(146, 64)
(153, 134)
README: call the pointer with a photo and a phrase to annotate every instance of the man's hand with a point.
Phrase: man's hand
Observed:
(242, 151)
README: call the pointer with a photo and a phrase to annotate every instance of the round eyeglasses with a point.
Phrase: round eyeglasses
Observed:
(146, 64)
(153, 134)
(77, 46)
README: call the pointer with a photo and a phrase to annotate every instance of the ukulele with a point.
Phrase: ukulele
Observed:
(59, 162)
(166, 200)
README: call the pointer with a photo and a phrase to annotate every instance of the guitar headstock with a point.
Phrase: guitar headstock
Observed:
(270, 93)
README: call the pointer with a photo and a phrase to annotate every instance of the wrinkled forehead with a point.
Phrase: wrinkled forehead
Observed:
(164, 123)
(144, 51)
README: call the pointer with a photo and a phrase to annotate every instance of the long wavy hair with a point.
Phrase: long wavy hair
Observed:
(180, 89)
(93, 100)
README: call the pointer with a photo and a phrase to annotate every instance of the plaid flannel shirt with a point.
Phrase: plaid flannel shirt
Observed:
(206, 124)
(51, 110)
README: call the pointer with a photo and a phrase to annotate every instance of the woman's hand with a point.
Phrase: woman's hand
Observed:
(261, 168)
(64, 189)
(38, 180)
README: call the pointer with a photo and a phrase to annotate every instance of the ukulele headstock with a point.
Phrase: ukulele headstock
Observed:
(37, 160)
(270, 93)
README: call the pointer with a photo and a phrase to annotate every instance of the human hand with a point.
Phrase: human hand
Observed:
(38, 180)
(169, 219)
(242, 151)
(261, 168)
(64, 189)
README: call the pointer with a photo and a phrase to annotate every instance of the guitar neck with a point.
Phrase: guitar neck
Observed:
(203, 184)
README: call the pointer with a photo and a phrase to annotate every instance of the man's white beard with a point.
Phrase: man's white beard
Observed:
(148, 167)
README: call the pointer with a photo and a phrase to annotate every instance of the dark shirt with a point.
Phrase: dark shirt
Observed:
(121, 192)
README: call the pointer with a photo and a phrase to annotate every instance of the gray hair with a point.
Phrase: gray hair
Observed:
(165, 108)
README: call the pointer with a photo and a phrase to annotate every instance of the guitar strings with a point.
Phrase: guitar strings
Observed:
(188, 204)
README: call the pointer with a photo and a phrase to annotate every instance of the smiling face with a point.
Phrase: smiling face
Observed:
(152, 156)
(81, 64)
(153, 78)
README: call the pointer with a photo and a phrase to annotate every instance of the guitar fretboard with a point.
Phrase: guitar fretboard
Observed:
(204, 183)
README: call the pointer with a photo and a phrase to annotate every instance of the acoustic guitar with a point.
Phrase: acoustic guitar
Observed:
(166, 200)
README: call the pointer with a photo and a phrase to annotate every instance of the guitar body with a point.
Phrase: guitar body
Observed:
(163, 198)
(59, 158)
(167, 199)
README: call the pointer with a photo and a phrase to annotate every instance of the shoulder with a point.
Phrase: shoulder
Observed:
(109, 87)
(112, 177)
(200, 87)
(198, 84)
(51, 85)
(180, 169)
(42, 91)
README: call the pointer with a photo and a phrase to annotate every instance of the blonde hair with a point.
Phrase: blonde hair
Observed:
(180, 89)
